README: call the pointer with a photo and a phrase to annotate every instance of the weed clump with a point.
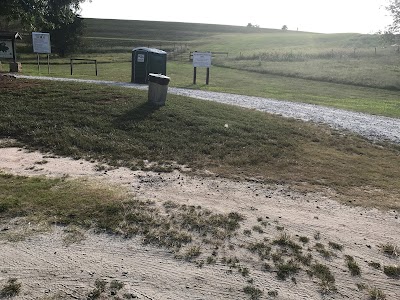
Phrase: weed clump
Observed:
(253, 292)
(192, 253)
(287, 269)
(376, 294)
(353, 266)
(327, 280)
(304, 239)
(374, 265)
(392, 271)
(11, 289)
(324, 252)
(284, 240)
(101, 289)
(262, 249)
(335, 246)
(389, 250)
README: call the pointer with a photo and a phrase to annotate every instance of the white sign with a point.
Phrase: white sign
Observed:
(41, 42)
(6, 50)
(140, 58)
(202, 59)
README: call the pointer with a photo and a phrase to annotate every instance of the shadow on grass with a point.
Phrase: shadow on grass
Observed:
(139, 113)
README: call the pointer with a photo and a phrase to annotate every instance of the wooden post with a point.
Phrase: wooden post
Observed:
(14, 50)
(71, 65)
(95, 62)
(38, 63)
(194, 75)
(208, 76)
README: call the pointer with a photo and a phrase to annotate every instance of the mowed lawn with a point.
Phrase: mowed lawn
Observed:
(118, 126)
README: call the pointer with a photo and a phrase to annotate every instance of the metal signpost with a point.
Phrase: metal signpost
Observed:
(202, 60)
(41, 44)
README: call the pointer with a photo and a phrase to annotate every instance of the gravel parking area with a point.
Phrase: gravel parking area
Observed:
(376, 128)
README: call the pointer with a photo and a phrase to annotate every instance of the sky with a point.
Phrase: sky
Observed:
(334, 16)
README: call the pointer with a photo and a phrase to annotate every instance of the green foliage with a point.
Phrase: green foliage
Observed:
(60, 18)
(394, 9)
(66, 38)
(37, 14)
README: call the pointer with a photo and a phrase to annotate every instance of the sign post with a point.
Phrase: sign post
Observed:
(202, 60)
(41, 44)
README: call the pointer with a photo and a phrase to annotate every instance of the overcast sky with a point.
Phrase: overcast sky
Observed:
(334, 16)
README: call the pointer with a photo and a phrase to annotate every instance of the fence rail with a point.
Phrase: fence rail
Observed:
(82, 59)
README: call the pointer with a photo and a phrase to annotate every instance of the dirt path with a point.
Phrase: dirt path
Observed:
(47, 267)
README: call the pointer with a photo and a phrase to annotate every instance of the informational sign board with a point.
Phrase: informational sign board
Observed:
(202, 59)
(41, 42)
(6, 49)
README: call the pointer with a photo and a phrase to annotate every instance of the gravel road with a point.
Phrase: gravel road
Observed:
(376, 128)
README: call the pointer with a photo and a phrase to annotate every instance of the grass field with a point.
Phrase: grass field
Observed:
(350, 71)
(118, 126)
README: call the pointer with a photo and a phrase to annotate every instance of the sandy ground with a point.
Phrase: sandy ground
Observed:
(50, 269)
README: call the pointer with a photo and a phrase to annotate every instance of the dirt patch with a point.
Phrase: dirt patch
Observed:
(47, 266)
(9, 82)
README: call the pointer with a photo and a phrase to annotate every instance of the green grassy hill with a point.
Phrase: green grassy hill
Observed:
(233, 39)
(351, 71)
(166, 31)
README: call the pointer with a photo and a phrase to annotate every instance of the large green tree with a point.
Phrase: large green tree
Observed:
(394, 9)
(59, 17)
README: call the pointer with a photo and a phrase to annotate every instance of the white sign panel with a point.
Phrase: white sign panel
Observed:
(41, 42)
(140, 58)
(202, 59)
(6, 50)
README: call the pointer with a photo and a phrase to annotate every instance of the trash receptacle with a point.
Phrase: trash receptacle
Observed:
(158, 88)
(147, 60)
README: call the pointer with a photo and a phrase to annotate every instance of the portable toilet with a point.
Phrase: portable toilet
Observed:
(147, 60)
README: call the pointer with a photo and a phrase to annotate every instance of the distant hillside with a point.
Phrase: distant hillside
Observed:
(170, 31)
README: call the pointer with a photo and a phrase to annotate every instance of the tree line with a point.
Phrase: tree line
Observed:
(58, 17)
